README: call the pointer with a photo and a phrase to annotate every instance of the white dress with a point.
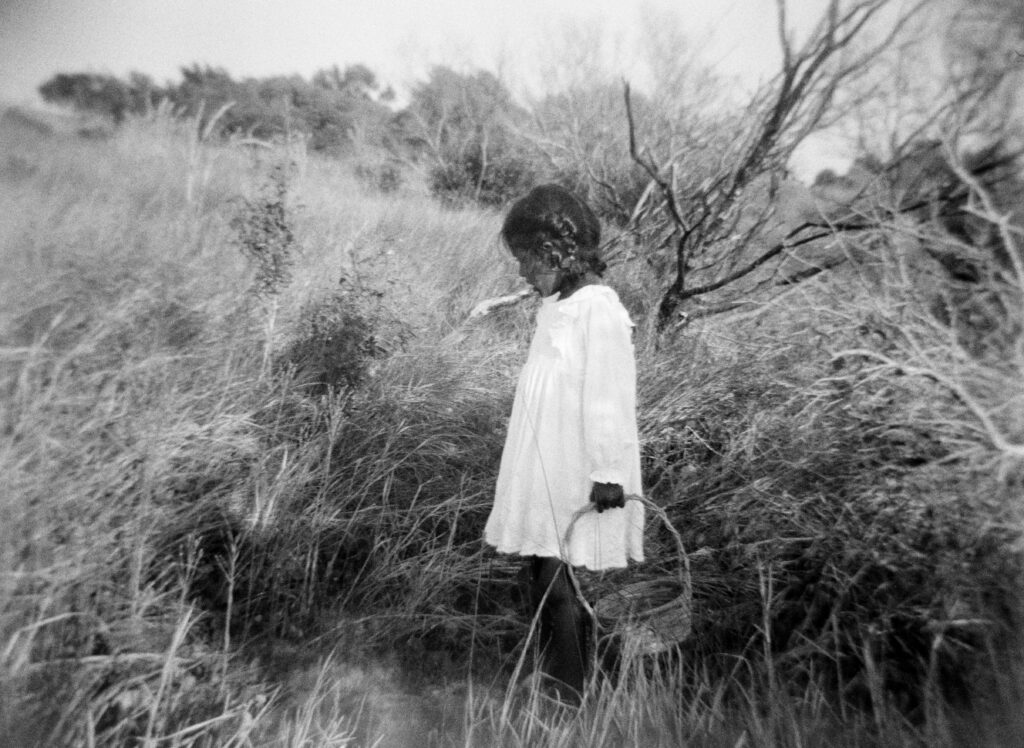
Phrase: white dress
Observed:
(573, 424)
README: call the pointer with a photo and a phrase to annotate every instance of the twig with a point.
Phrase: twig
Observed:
(995, 436)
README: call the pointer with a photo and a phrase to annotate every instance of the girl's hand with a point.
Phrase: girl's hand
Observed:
(607, 496)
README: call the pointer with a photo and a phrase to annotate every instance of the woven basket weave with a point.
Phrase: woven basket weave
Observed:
(652, 615)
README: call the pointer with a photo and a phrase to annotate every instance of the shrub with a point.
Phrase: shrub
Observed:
(842, 527)
(265, 234)
(371, 509)
(333, 345)
(464, 126)
(468, 177)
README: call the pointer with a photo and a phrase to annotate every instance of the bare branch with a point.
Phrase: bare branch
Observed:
(777, 120)
(996, 437)
(787, 53)
(666, 186)
(991, 213)
(757, 262)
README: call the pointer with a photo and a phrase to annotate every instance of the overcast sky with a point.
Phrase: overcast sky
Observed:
(397, 39)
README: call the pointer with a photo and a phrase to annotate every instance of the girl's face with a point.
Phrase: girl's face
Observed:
(539, 274)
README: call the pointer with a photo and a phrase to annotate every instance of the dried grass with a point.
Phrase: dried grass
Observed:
(843, 465)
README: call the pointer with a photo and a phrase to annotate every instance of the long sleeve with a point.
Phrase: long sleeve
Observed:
(609, 392)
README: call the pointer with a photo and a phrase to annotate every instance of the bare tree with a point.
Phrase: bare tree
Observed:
(712, 222)
(946, 96)
(577, 140)
(575, 132)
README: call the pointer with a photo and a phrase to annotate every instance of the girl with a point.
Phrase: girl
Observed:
(572, 437)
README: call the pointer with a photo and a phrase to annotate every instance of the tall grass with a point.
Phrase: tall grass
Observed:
(220, 531)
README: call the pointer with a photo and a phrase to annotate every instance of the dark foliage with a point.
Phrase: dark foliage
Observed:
(101, 94)
(333, 346)
(331, 109)
(475, 176)
(264, 232)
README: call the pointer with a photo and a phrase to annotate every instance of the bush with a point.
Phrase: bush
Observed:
(372, 509)
(265, 234)
(467, 178)
(463, 125)
(839, 523)
(333, 345)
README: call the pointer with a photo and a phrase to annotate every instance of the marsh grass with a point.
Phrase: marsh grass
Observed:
(204, 545)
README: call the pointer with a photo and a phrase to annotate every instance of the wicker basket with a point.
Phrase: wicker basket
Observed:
(649, 616)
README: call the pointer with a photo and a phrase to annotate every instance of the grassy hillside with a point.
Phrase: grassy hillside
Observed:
(249, 434)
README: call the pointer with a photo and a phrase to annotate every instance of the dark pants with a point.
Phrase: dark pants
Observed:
(563, 625)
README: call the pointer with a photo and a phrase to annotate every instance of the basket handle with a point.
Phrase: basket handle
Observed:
(684, 569)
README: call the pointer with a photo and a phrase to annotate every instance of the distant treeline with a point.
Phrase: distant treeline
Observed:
(476, 143)
(330, 107)
(457, 123)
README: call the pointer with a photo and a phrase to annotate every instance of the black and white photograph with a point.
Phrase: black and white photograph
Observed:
(534, 374)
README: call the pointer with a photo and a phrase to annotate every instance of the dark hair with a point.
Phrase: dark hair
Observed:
(552, 223)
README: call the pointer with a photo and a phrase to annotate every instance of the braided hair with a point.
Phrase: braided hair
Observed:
(553, 224)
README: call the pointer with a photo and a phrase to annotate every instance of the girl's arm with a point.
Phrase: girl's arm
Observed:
(609, 401)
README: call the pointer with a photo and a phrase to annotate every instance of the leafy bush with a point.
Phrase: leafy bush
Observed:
(333, 345)
(329, 109)
(263, 227)
(501, 178)
(463, 125)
